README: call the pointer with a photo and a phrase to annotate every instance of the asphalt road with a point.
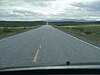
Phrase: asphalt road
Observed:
(45, 45)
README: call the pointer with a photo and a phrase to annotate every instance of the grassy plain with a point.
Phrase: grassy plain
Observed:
(9, 31)
(88, 31)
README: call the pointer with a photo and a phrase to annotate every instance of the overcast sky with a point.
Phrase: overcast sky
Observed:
(32, 10)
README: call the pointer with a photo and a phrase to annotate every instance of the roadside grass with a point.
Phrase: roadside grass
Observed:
(91, 32)
(9, 31)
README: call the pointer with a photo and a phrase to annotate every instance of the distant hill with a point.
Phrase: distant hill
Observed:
(21, 23)
(66, 23)
(68, 20)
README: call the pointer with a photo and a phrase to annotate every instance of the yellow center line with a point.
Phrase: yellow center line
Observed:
(36, 55)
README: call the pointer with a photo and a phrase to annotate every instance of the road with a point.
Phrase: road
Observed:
(45, 45)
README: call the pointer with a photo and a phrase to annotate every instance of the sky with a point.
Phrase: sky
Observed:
(33, 10)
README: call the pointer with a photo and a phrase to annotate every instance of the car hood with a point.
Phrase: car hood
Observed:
(57, 66)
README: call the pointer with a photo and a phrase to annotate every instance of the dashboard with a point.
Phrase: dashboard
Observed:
(86, 69)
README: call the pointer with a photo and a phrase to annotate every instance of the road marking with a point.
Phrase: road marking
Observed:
(83, 41)
(36, 55)
(42, 37)
(80, 40)
(37, 52)
(40, 46)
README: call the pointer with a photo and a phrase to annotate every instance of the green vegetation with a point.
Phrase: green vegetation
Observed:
(8, 28)
(21, 23)
(8, 31)
(65, 23)
(87, 31)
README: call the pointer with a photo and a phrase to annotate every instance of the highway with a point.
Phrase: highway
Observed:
(45, 45)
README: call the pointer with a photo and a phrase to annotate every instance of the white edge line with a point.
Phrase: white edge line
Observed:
(42, 37)
(16, 35)
(83, 41)
(40, 46)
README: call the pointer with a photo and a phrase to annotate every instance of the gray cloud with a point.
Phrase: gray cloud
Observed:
(40, 3)
(92, 6)
(27, 13)
(48, 9)
(19, 15)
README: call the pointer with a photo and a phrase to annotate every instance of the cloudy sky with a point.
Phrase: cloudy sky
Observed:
(31, 10)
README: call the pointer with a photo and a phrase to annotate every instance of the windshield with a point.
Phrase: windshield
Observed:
(49, 32)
